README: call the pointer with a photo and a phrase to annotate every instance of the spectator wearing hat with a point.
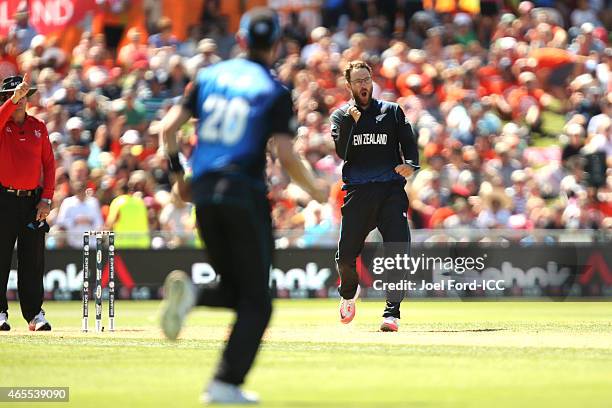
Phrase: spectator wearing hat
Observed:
(505, 27)
(32, 57)
(131, 137)
(25, 155)
(56, 139)
(78, 146)
(207, 55)
(575, 135)
(53, 56)
(133, 150)
(317, 36)
(464, 33)
(518, 192)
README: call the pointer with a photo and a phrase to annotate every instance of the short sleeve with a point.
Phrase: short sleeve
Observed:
(190, 100)
(282, 116)
(335, 124)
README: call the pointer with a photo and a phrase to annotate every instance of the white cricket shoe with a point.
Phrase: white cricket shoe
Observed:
(39, 322)
(390, 324)
(179, 298)
(4, 324)
(219, 392)
(347, 308)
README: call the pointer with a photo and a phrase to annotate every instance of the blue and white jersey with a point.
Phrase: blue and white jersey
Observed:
(239, 104)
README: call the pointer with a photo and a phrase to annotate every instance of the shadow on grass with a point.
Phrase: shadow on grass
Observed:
(353, 404)
(445, 331)
(457, 331)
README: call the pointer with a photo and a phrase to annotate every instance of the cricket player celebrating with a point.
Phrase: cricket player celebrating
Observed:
(239, 105)
(379, 150)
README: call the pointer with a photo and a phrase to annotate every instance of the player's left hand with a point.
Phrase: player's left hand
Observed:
(404, 170)
(42, 211)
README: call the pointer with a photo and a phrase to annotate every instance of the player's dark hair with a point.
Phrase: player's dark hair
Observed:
(355, 65)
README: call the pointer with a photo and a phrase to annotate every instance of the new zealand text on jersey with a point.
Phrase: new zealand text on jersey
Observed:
(370, 139)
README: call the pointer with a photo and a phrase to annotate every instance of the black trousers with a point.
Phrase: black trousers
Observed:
(368, 206)
(234, 222)
(17, 223)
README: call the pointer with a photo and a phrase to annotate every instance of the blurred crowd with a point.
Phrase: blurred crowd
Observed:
(512, 107)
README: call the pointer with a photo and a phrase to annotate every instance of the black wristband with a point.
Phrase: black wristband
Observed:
(174, 163)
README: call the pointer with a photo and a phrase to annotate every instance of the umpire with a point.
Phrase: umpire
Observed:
(379, 150)
(26, 159)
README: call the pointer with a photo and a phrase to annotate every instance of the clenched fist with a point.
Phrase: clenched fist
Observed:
(404, 170)
(22, 89)
(354, 113)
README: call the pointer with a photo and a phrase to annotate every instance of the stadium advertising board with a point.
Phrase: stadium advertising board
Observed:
(578, 270)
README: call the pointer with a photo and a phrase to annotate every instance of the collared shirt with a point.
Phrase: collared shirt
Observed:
(374, 146)
(26, 156)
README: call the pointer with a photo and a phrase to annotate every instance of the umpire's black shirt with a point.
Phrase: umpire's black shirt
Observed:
(374, 146)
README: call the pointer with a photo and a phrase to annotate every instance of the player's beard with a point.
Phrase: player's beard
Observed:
(363, 96)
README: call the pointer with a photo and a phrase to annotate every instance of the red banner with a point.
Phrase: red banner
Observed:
(46, 16)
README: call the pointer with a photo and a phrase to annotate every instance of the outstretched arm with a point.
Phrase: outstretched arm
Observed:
(292, 163)
(172, 122)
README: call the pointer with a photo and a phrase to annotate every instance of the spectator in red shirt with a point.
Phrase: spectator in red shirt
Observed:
(25, 154)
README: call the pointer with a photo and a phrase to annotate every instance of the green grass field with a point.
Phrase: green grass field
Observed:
(448, 354)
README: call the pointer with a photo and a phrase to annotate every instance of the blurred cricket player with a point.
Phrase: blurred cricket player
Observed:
(239, 106)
